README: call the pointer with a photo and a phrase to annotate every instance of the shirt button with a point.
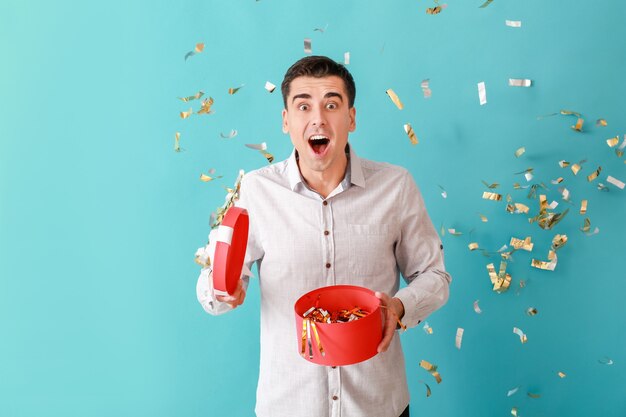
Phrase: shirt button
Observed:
(327, 265)
(326, 232)
(325, 202)
(335, 397)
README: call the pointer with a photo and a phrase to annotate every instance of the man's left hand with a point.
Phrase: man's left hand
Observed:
(393, 310)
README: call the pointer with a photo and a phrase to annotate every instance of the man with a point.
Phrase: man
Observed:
(325, 217)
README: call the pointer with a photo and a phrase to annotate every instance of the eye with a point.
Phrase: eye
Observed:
(303, 107)
(331, 106)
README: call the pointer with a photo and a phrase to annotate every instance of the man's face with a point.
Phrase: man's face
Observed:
(318, 119)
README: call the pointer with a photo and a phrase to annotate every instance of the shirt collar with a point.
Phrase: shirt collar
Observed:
(354, 171)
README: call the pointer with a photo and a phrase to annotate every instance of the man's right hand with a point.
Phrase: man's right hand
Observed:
(237, 298)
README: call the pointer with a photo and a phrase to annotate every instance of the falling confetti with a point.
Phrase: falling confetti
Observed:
(194, 97)
(426, 88)
(606, 361)
(601, 122)
(321, 30)
(444, 194)
(177, 147)
(531, 311)
(411, 134)
(612, 142)
(262, 147)
(207, 178)
(428, 392)
(186, 114)
(492, 196)
(561, 374)
(206, 106)
(395, 99)
(619, 184)
(520, 152)
(594, 174)
(476, 307)
(307, 46)
(199, 48)
(346, 58)
(525, 244)
(512, 391)
(520, 82)
(427, 328)
(233, 90)
(473, 246)
(231, 135)
(432, 369)
(483, 218)
(522, 336)
(501, 280)
(482, 92)
(485, 4)
(513, 23)
(269, 86)
(459, 337)
(583, 207)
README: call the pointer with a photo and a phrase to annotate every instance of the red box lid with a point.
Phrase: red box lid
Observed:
(230, 250)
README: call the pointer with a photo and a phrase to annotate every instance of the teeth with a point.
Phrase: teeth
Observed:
(318, 137)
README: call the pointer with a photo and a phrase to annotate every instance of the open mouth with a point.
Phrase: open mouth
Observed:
(318, 143)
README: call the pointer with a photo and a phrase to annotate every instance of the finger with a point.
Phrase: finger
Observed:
(388, 332)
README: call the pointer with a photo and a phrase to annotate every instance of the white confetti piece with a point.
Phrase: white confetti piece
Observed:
(482, 93)
(269, 86)
(513, 23)
(459, 337)
(346, 58)
(615, 182)
(520, 82)
(307, 46)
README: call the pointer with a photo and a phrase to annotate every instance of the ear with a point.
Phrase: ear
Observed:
(285, 123)
(352, 115)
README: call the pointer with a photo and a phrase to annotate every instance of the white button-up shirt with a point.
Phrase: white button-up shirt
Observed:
(369, 230)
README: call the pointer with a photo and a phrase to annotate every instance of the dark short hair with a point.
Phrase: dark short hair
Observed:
(318, 67)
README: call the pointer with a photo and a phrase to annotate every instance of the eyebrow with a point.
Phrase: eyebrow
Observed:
(308, 96)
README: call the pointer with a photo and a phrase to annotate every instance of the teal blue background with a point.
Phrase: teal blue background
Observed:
(100, 218)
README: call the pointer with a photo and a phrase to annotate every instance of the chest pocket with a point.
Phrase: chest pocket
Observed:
(371, 250)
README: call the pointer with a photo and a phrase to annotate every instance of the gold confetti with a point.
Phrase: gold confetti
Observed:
(594, 174)
(514, 411)
(426, 88)
(513, 23)
(533, 395)
(485, 4)
(482, 92)
(612, 142)
(561, 374)
(476, 307)
(579, 125)
(583, 207)
(231, 135)
(564, 193)
(346, 58)
(575, 168)
(231, 198)
(434, 10)
(199, 48)
(501, 281)
(492, 196)
(177, 147)
(520, 82)
(232, 90)
(517, 208)
(459, 337)
(545, 219)
(206, 106)
(525, 244)
(395, 99)
(307, 46)
(206, 178)
(186, 114)
(563, 164)
(473, 246)
(194, 97)
(557, 181)
(531, 311)
(558, 241)
(262, 147)
(454, 232)
(601, 122)
(520, 333)
(619, 184)
(428, 392)
(586, 225)
(483, 218)
(410, 133)
(444, 194)
(432, 369)
(520, 152)
(269, 86)
(548, 266)
(427, 328)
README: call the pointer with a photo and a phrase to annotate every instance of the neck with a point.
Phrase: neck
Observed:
(324, 182)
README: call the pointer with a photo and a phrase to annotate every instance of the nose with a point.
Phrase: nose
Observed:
(318, 117)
